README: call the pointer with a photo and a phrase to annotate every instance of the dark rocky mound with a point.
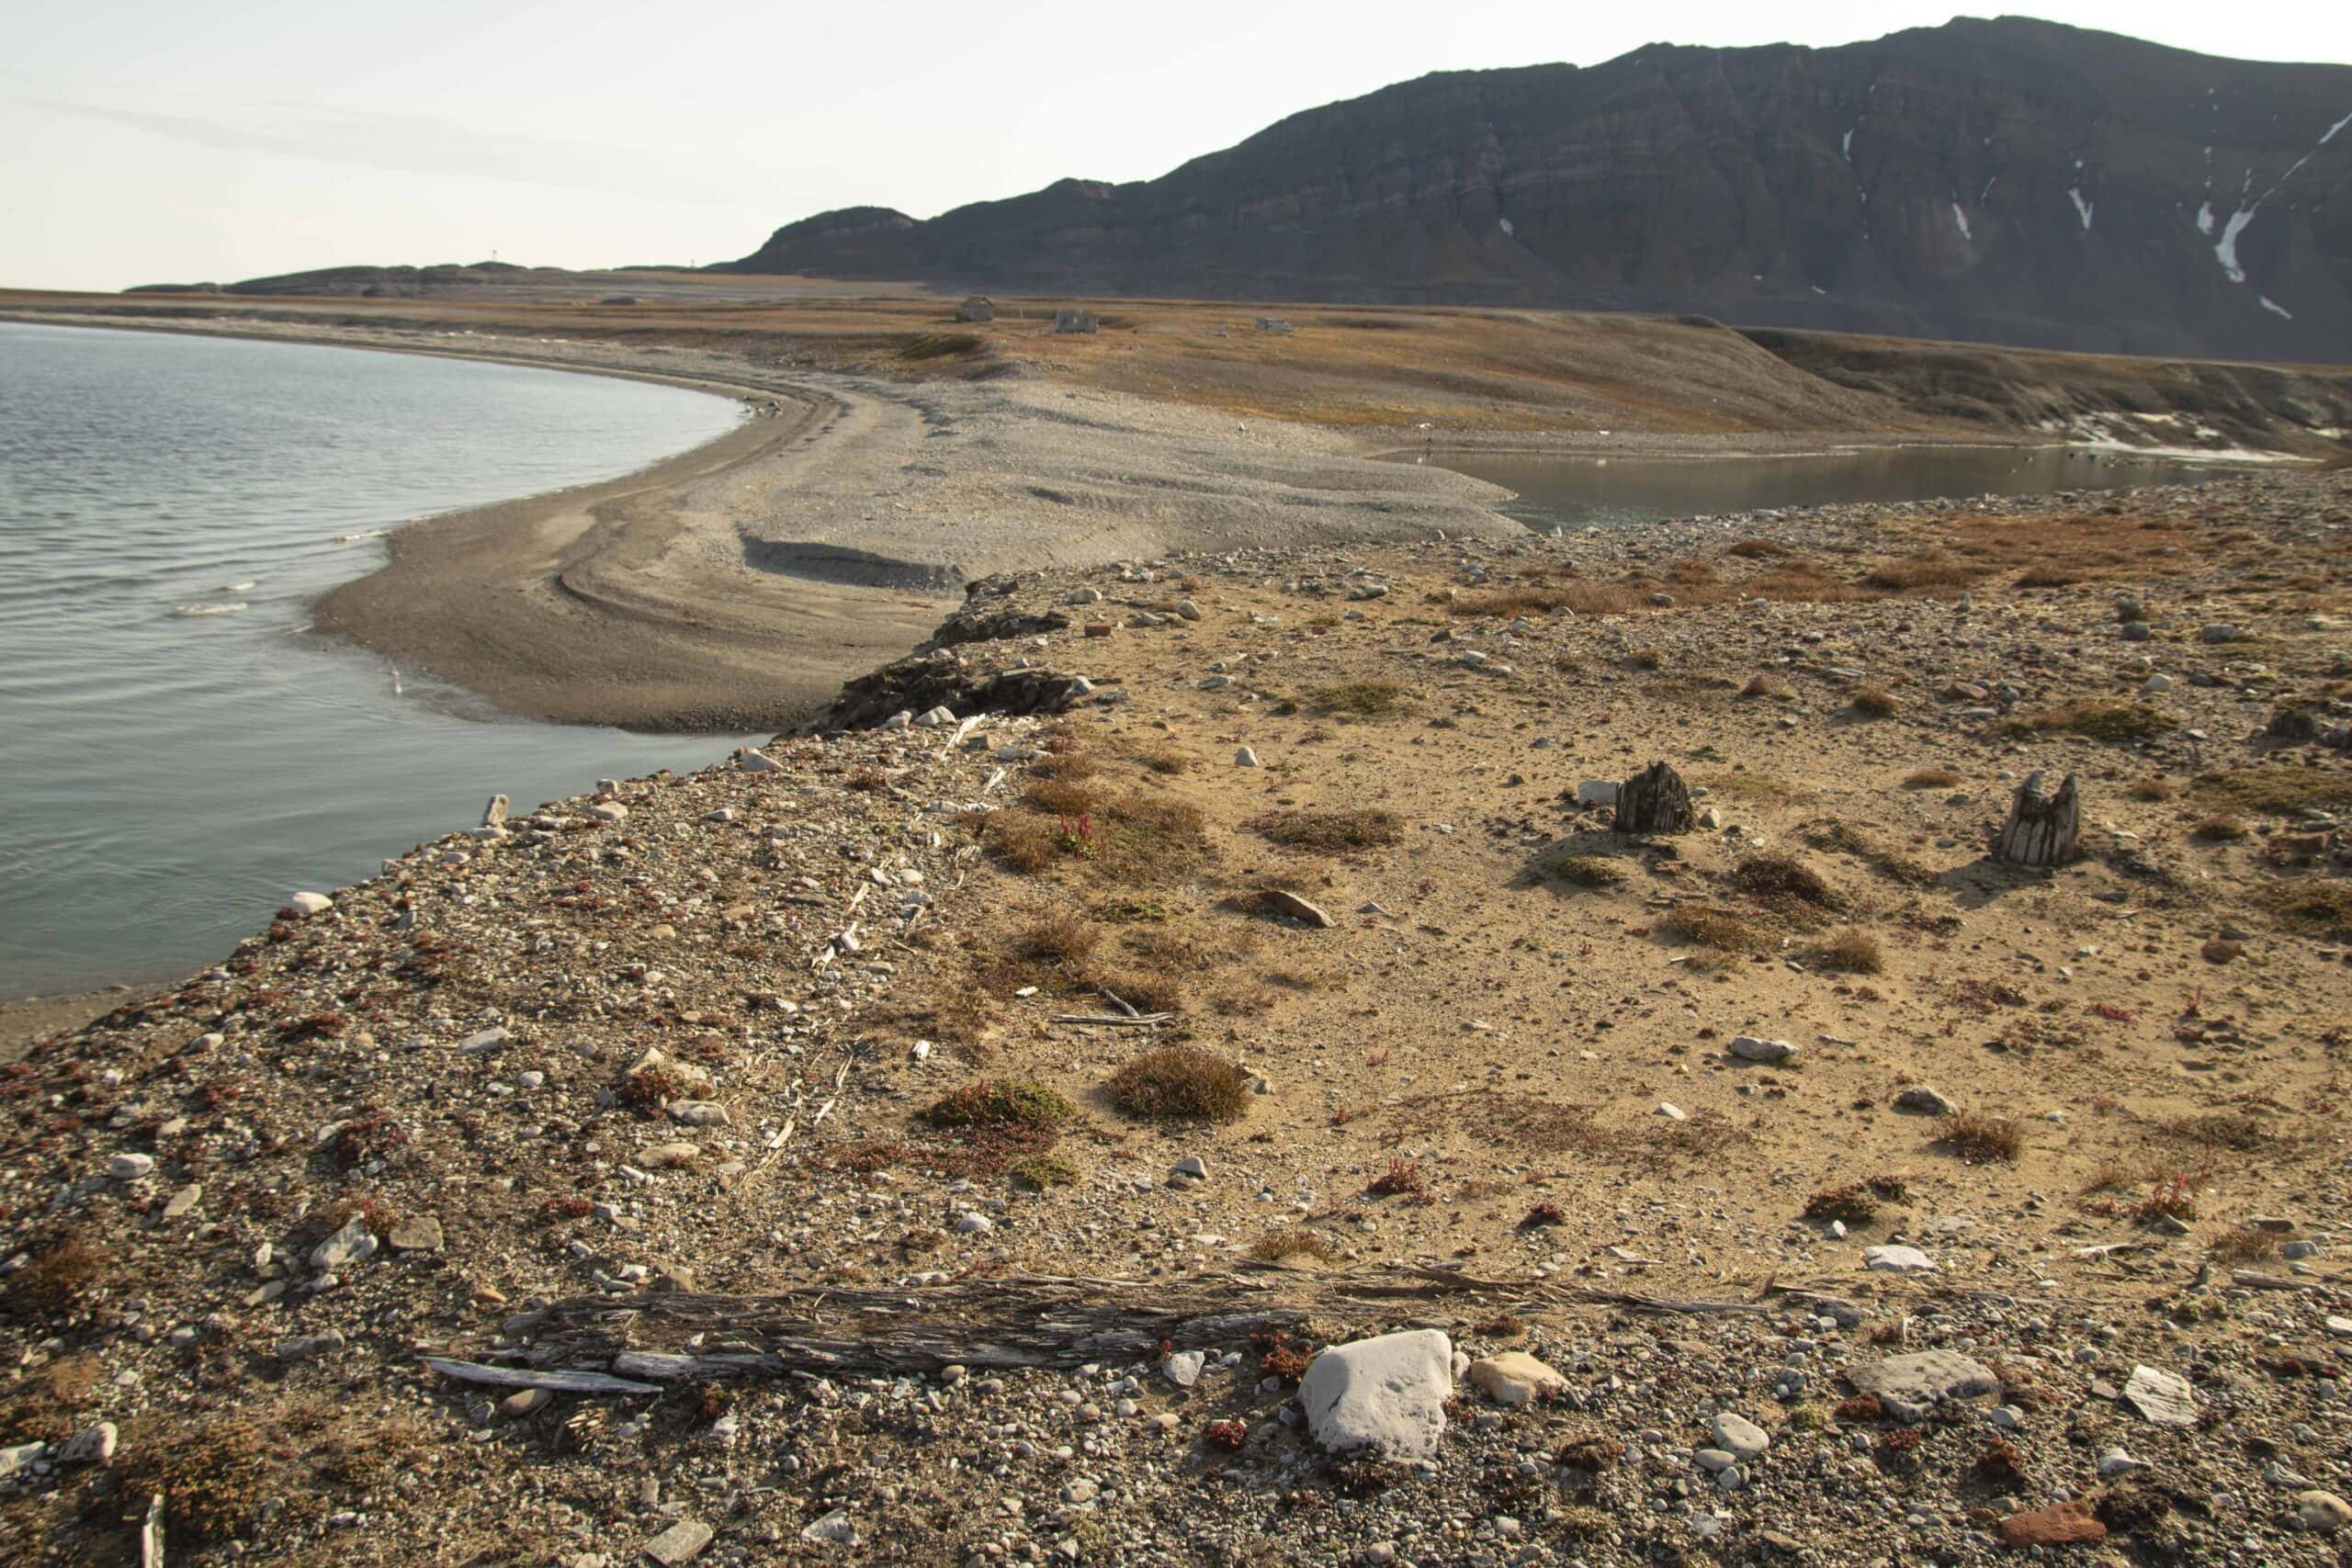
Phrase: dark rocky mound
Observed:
(2010, 181)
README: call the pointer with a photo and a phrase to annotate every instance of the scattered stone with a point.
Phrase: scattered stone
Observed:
(1739, 1436)
(2060, 1524)
(1596, 792)
(2163, 1398)
(1922, 1100)
(93, 1445)
(1897, 1259)
(354, 1243)
(1184, 1367)
(2323, 1513)
(1385, 1397)
(131, 1167)
(526, 1402)
(1910, 1387)
(682, 1542)
(414, 1233)
(831, 1529)
(311, 903)
(1283, 902)
(1749, 1048)
(2115, 1463)
(309, 1347)
(1516, 1379)
(1244, 757)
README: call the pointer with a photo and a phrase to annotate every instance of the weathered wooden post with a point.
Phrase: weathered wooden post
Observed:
(2043, 826)
(1654, 800)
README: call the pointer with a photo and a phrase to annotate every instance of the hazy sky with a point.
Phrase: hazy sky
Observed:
(143, 142)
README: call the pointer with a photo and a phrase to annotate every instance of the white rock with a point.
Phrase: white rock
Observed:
(609, 811)
(2323, 1513)
(1923, 1100)
(1385, 1397)
(899, 720)
(831, 1529)
(1898, 1260)
(1749, 1048)
(751, 759)
(935, 717)
(2163, 1398)
(94, 1446)
(353, 1243)
(971, 1222)
(1596, 792)
(2115, 1463)
(699, 1112)
(310, 903)
(1184, 1367)
(682, 1542)
(1515, 1378)
(1738, 1436)
(1244, 758)
(131, 1168)
(1673, 1111)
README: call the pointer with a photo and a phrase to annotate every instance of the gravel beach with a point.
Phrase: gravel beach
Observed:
(1182, 1069)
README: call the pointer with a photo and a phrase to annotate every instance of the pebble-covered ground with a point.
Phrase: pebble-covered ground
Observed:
(1049, 1136)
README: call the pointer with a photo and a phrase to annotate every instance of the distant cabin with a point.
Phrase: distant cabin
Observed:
(1272, 324)
(1074, 320)
(979, 308)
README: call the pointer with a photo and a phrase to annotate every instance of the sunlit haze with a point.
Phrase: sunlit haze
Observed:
(150, 143)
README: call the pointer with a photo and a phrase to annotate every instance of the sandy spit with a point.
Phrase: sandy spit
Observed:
(737, 585)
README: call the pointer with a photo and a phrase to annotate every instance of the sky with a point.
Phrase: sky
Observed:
(143, 142)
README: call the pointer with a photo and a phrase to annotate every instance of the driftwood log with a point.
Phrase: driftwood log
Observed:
(1654, 800)
(2043, 828)
(990, 1321)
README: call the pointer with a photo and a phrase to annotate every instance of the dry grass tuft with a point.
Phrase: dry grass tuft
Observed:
(2220, 828)
(1780, 881)
(1758, 549)
(1765, 686)
(1851, 1204)
(1563, 864)
(2152, 788)
(1359, 699)
(2321, 909)
(1849, 951)
(1403, 1178)
(2274, 790)
(1930, 778)
(1332, 832)
(1979, 1139)
(1718, 930)
(1281, 1246)
(1926, 572)
(999, 1102)
(2114, 722)
(1180, 1083)
(1874, 702)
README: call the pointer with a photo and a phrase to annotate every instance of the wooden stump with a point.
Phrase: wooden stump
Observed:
(1654, 800)
(2043, 826)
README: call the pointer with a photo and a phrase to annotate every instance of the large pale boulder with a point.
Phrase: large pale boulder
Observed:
(1385, 1397)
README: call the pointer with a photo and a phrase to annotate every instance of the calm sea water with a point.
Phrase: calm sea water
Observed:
(1577, 492)
(175, 755)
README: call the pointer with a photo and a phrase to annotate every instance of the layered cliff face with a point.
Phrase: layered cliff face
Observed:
(2011, 181)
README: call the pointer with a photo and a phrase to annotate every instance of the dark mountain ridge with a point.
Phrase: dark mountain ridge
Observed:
(2011, 181)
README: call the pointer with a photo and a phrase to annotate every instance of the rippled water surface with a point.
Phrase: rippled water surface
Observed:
(176, 754)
